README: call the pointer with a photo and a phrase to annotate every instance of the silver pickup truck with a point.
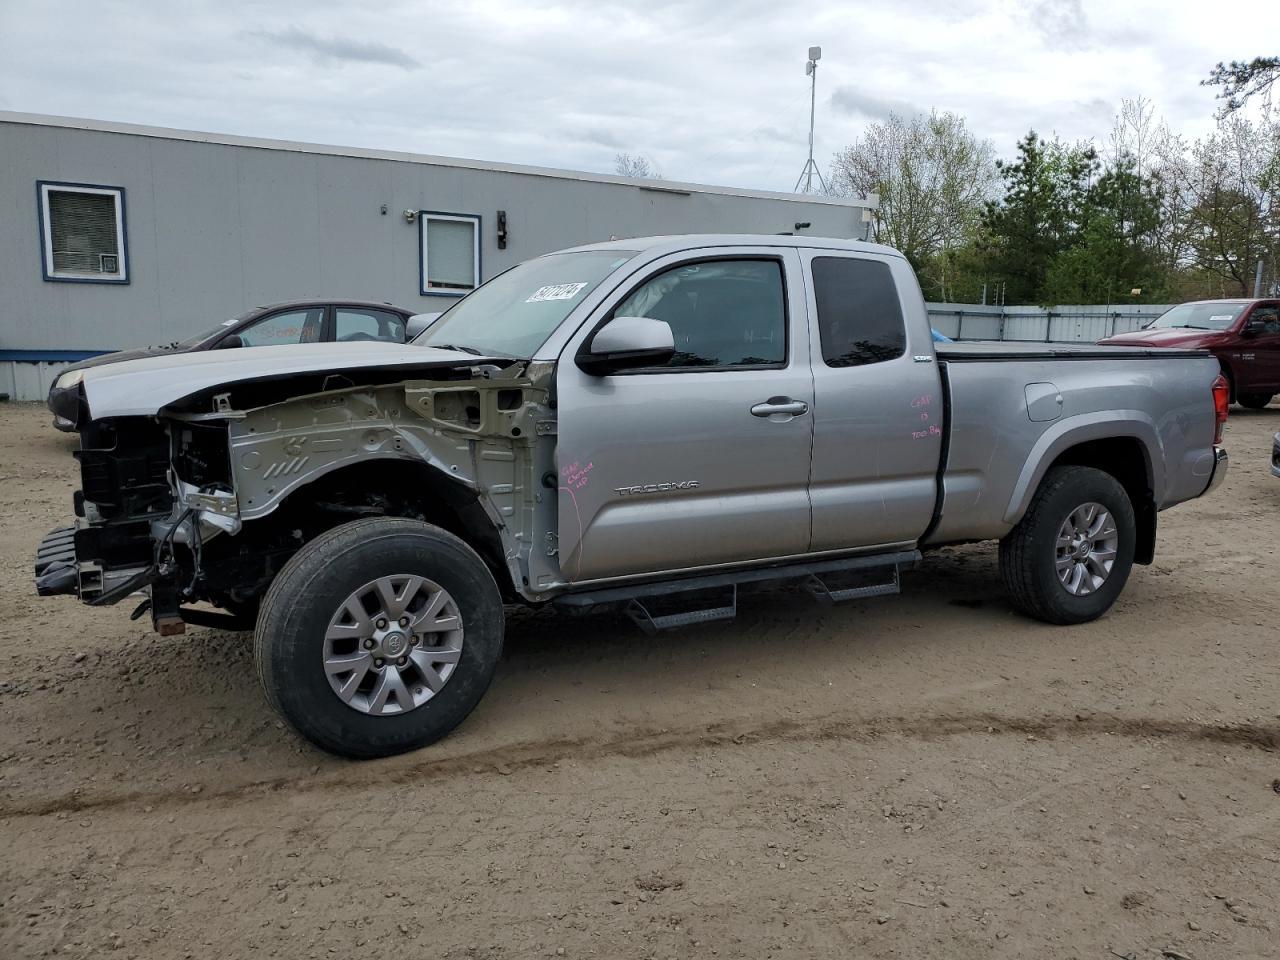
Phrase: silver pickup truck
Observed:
(652, 424)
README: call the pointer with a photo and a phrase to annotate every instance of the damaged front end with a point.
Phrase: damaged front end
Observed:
(206, 500)
(148, 487)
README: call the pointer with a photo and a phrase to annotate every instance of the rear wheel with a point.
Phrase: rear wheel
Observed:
(1069, 557)
(1254, 401)
(379, 636)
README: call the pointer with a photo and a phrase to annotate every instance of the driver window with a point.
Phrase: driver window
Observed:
(352, 324)
(722, 313)
(1269, 317)
(293, 326)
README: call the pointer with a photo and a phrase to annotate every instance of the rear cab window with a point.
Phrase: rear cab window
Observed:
(859, 314)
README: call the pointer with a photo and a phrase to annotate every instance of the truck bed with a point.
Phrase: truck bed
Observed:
(974, 350)
(991, 427)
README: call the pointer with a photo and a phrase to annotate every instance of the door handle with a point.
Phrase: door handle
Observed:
(777, 405)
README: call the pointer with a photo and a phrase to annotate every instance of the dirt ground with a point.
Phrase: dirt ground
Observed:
(923, 776)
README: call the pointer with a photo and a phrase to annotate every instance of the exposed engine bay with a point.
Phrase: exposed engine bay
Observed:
(209, 498)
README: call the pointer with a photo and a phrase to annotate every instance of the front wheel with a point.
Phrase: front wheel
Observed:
(379, 636)
(1254, 401)
(1069, 557)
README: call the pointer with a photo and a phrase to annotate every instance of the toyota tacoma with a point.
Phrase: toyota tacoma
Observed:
(651, 424)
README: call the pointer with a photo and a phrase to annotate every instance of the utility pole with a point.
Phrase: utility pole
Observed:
(1257, 280)
(811, 168)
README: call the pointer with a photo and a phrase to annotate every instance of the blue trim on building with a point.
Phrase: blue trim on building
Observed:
(45, 267)
(50, 356)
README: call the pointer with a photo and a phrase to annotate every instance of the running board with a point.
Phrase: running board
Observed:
(827, 595)
(828, 581)
(650, 623)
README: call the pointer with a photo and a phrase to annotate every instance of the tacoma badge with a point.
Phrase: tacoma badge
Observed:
(656, 488)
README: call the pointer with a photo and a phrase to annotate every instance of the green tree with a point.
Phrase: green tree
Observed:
(1114, 252)
(1041, 214)
(1241, 79)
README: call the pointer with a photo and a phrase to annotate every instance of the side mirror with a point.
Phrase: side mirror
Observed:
(1253, 327)
(229, 342)
(419, 322)
(627, 342)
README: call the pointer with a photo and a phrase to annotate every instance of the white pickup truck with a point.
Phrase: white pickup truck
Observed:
(652, 422)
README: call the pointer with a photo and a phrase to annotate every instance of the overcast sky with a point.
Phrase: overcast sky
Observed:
(710, 90)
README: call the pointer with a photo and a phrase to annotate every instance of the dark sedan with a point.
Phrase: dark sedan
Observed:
(295, 321)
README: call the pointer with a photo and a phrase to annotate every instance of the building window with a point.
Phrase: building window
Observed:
(82, 233)
(450, 253)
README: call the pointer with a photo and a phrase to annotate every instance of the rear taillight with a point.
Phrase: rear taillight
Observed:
(1221, 403)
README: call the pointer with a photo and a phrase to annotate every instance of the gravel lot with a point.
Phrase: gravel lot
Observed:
(922, 776)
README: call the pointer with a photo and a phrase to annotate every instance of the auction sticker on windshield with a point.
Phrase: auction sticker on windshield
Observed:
(1220, 318)
(556, 291)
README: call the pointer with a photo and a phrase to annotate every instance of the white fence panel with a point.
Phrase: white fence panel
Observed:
(1073, 323)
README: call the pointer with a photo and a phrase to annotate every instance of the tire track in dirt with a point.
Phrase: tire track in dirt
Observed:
(640, 744)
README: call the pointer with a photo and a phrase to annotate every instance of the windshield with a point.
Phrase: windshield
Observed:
(1199, 316)
(514, 313)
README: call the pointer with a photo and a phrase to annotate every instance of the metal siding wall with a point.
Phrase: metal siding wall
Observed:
(214, 229)
(26, 300)
(28, 381)
(82, 316)
(197, 276)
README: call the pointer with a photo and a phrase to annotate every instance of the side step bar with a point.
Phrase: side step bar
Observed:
(828, 581)
(651, 623)
(825, 593)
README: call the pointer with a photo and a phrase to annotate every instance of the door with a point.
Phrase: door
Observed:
(1261, 374)
(705, 459)
(878, 422)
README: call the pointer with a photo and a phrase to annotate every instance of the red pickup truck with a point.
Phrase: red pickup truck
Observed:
(1243, 334)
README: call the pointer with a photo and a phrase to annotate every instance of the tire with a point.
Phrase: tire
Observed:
(1254, 401)
(1029, 554)
(302, 629)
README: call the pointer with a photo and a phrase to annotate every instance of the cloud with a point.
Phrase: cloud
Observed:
(854, 101)
(600, 136)
(343, 50)
(717, 92)
(1062, 22)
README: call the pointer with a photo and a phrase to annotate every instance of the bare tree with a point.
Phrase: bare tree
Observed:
(636, 166)
(1160, 158)
(933, 178)
(1233, 187)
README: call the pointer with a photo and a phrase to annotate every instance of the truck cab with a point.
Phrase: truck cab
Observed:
(785, 359)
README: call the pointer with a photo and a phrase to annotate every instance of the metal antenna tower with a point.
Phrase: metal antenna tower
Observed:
(811, 168)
